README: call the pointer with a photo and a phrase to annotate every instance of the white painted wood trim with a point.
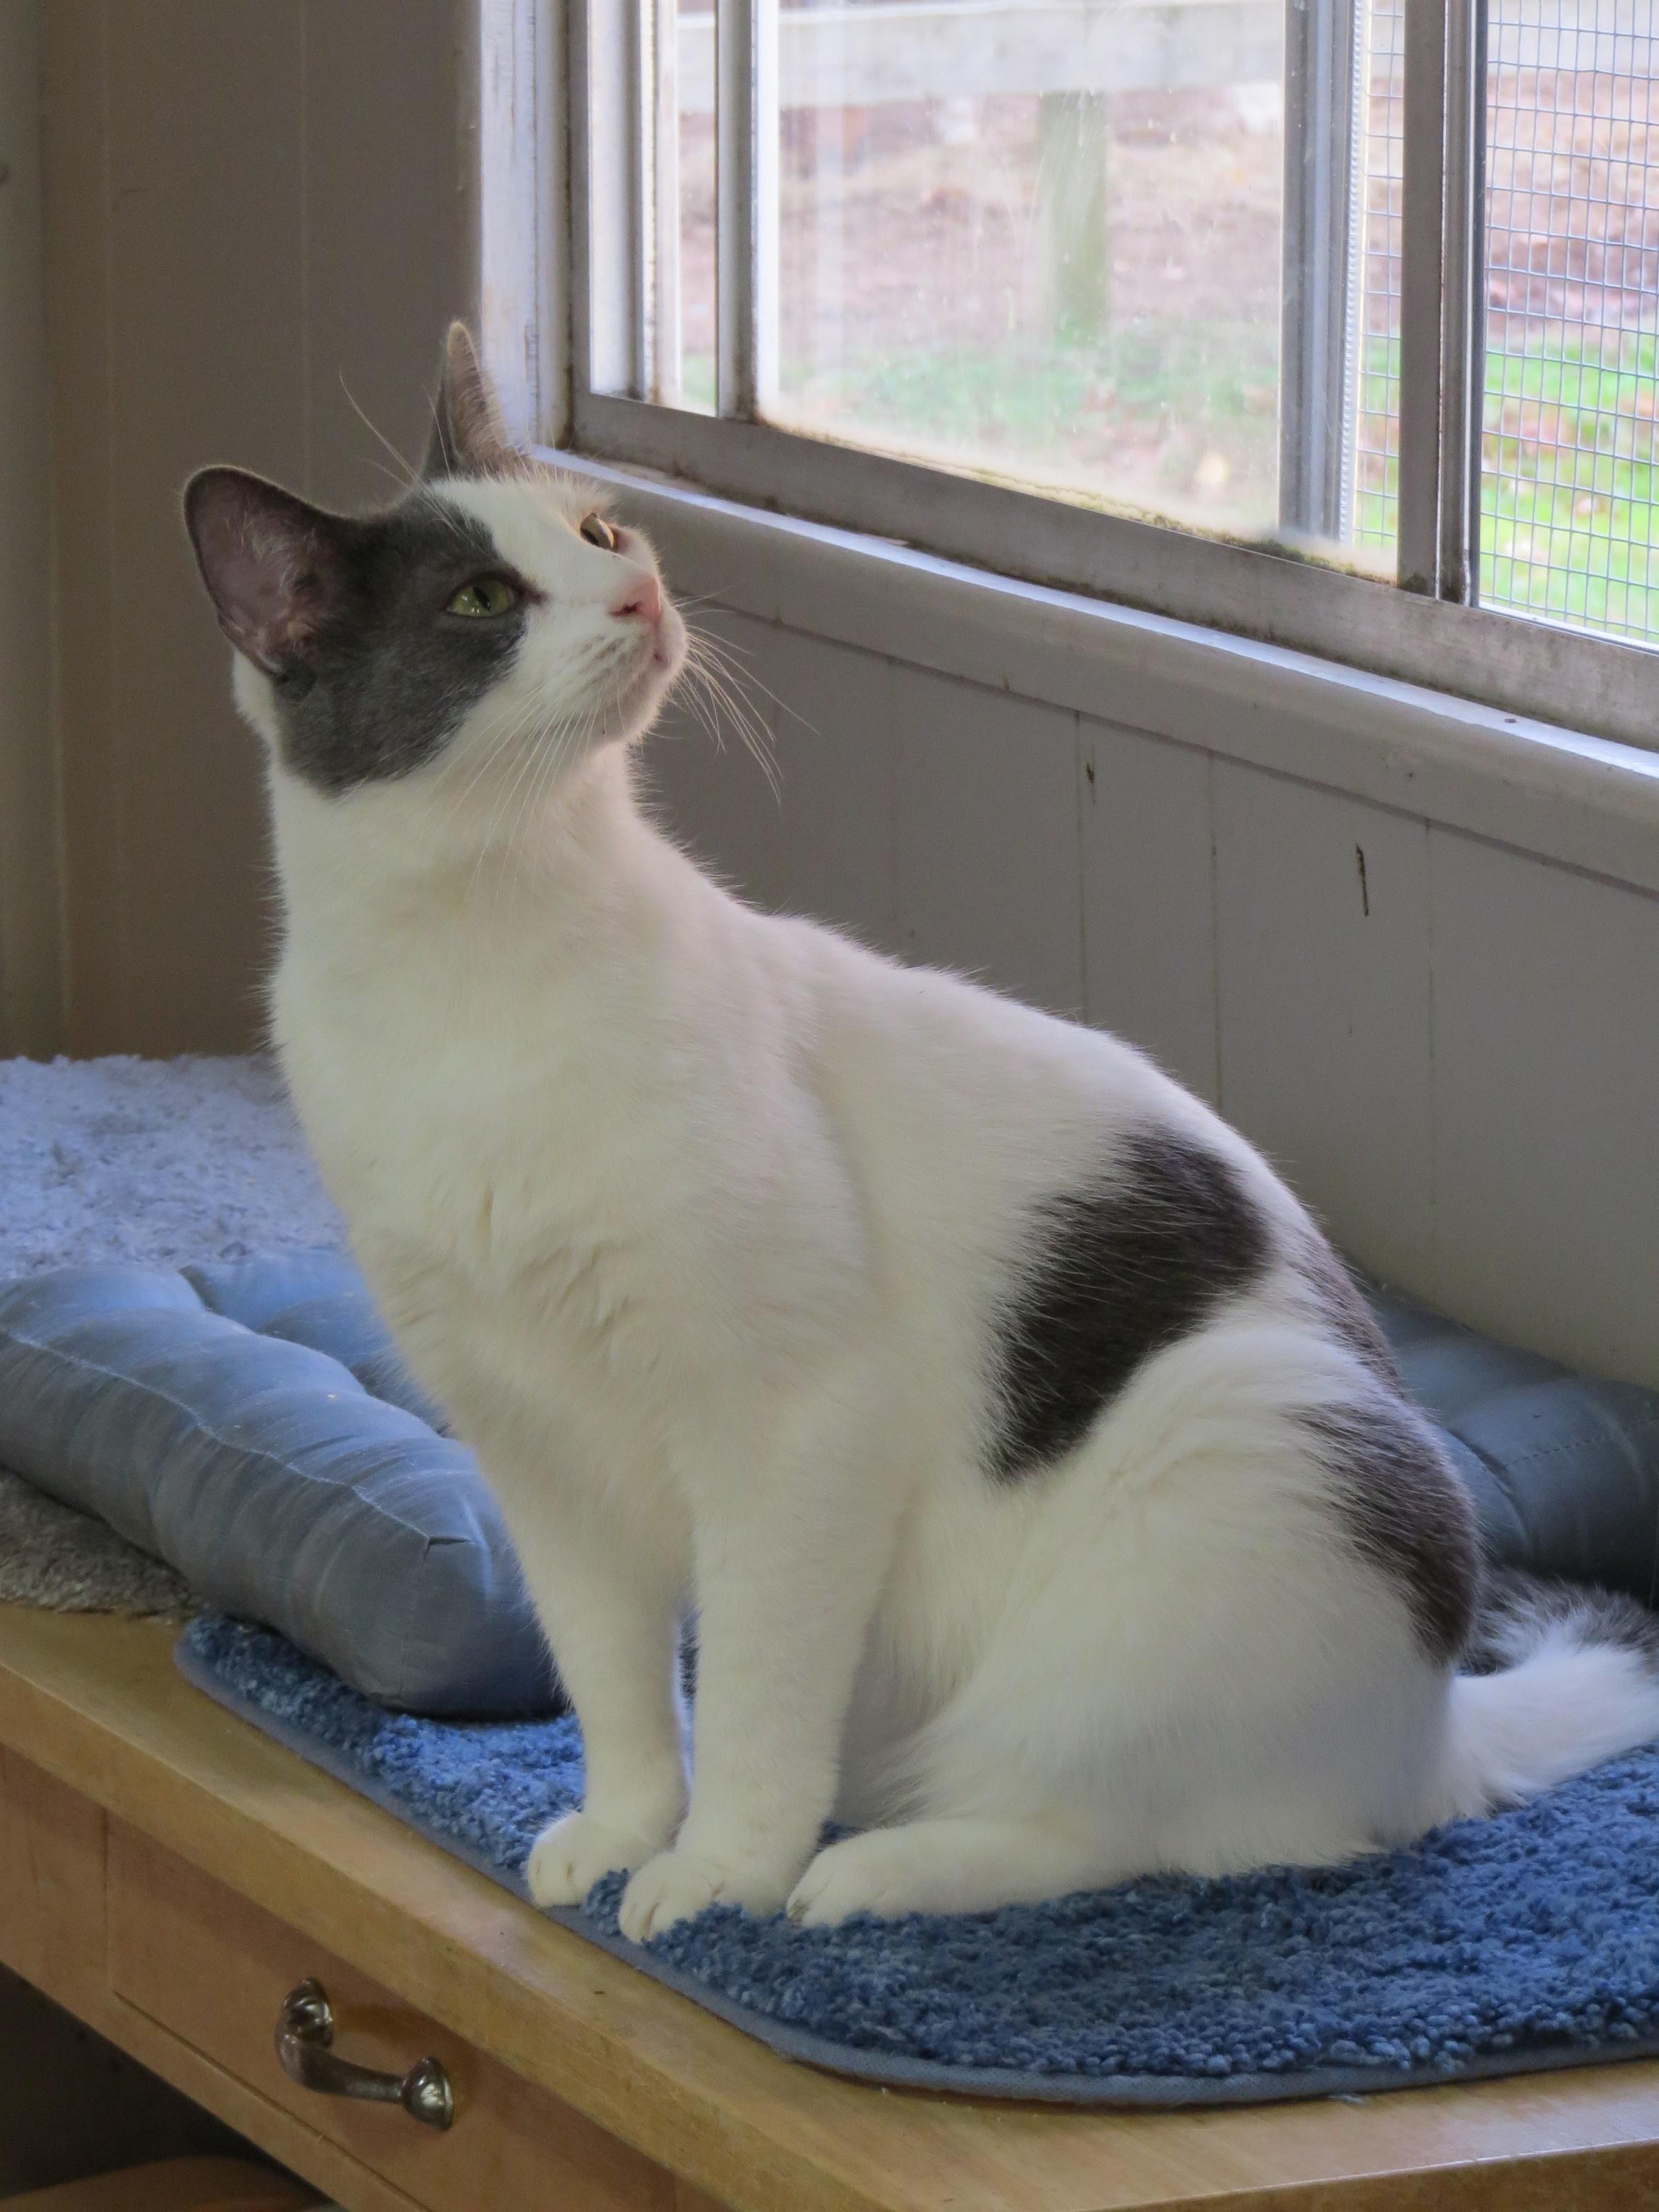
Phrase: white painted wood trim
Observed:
(865, 54)
(523, 224)
(1586, 801)
(746, 194)
(1521, 666)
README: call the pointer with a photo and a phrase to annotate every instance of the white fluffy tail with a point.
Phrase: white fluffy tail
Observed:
(1578, 1681)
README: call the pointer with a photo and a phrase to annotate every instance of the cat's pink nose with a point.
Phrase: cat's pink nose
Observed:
(639, 601)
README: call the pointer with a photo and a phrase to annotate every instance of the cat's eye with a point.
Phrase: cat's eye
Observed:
(484, 595)
(598, 531)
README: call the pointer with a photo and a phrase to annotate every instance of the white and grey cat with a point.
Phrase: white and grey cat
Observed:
(1048, 1504)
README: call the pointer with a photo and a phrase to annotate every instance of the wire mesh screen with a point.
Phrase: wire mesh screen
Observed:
(1570, 522)
(1376, 428)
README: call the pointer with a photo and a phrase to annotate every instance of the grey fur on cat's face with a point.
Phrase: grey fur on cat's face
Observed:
(371, 676)
(372, 670)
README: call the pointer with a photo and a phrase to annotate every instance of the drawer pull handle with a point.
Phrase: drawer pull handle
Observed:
(305, 2039)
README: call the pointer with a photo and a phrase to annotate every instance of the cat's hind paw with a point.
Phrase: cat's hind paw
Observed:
(880, 1872)
(950, 1865)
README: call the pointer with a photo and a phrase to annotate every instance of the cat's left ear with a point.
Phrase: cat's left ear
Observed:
(274, 565)
(469, 435)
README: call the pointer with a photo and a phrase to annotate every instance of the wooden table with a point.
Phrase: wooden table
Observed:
(168, 1875)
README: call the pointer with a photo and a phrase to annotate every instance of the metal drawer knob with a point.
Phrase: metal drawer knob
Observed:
(305, 2039)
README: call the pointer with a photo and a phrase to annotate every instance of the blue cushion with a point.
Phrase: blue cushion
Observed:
(319, 1300)
(1563, 1469)
(252, 1427)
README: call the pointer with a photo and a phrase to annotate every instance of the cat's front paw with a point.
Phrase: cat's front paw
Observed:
(578, 1851)
(679, 1885)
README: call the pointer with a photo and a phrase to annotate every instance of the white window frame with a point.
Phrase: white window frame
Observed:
(585, 304)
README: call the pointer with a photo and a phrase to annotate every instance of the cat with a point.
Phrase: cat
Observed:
(1048, 1503)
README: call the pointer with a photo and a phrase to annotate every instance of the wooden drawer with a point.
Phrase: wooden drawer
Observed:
(51, 1878)
(213, 1970)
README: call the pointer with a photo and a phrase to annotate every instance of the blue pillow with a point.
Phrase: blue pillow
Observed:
(252, 1427)
(1563, 1469)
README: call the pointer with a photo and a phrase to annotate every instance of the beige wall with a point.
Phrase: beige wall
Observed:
(30, 1008)
(256, 211)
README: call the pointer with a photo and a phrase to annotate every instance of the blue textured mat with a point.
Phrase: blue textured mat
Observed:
(1527, 1942)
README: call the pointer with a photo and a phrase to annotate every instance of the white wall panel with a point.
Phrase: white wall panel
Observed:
(1546, 1089)
(821, 842)
(986, 815)
(1149, 898)
(831, 718)
(1322, 968)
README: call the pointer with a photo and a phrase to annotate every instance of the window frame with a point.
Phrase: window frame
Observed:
(605, 166)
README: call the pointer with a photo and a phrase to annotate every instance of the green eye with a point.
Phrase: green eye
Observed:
(598, 531)
(484, 595)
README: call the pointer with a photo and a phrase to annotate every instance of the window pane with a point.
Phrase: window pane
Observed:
(1568, 513)
(1105, 248)
(683, 197)
(1041, 241)
(1376, 442)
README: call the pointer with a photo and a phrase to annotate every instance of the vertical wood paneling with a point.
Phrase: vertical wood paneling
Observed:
(1149, 898)
(713, 795)
(986, 815)
(31, 1009)
(206, 307)
(822, 844)
(244, 201)
(1546, 1083)
(830, 715)
(387, 256)
(1322, 974)
(75, 164)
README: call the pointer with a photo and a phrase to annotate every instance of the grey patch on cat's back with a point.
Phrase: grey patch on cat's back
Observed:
(1350, 1318)
(1109, 1275)
(1404, 1512)
(390, 677)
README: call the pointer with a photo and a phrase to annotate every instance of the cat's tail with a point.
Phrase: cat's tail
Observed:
(1556, 1676)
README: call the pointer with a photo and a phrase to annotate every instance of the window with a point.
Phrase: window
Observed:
(1330, 321)
(1569, 490)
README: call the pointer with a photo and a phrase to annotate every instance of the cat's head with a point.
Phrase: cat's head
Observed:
(494, 621)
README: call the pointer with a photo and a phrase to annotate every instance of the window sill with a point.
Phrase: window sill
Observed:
(1588, 802)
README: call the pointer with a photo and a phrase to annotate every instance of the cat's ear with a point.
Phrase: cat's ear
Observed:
(274, 565)
(469, 437)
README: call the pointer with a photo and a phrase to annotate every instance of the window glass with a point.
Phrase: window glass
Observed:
(681, 136)
(1567, 507)
(1376, 433)
(1041, 241)
(1146, 255)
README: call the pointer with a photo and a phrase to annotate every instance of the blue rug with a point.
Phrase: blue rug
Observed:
(1524, 1943)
